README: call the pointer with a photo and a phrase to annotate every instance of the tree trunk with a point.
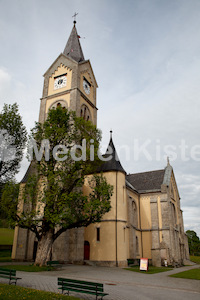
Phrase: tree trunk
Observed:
(44, 249)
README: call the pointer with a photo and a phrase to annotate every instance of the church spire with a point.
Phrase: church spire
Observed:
(112, 164)
(73, 47)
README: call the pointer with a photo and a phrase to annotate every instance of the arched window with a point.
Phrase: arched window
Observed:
(59, 103)
(135, 214)
(174, 213)
(172, 191)
(85, 113)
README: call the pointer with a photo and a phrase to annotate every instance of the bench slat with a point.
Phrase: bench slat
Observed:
(9, 274)
(83, 287)
(92, 287)
(63, 280)
(86, 292)
(7, 271)
(53, 262)
(80, 286)
(5, 276)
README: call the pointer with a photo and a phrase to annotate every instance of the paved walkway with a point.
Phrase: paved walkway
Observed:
(120, 284)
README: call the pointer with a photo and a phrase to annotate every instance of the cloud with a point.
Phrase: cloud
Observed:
(5, 80)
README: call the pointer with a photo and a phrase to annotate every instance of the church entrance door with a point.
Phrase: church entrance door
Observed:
(86, 250)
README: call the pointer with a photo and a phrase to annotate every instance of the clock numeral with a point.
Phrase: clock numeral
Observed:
(86, 87)
(60, 82)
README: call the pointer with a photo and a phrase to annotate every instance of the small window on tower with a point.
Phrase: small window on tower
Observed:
(98, 234)
(85, 113)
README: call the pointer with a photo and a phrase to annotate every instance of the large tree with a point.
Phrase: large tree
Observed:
(54, 199)
(12, 142)
(193, 242)
(8, 205)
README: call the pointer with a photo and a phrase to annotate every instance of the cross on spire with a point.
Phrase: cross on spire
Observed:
(73, 47)
(168, 163)
(74, 16)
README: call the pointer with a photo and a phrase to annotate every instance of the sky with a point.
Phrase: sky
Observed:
(145, 56)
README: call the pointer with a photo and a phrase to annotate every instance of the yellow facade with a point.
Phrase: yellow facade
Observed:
(145, 212)
(61, 70)
(113, 243)
(58, 99)
(71, 94)
(86, 75)
(147, 244)
(143, 222)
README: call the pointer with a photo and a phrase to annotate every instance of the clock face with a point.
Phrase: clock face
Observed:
(86, 86)
(60, 82)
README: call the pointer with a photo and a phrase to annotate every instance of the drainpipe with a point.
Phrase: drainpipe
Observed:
(116, 224)
(140, 227)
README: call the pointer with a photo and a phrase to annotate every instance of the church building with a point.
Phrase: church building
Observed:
(145, 220)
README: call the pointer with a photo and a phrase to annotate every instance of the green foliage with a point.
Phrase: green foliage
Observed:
(11, 124)
(29, 268)
(9, 201)
(190, 274)
(8, 292)
(6, 236)
(195, 259)
(193, 242)
(3, 222)
(53, 197)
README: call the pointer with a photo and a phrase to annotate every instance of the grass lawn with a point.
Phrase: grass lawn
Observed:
(191, 274)
(19, 293)
(30, 268)
(151, 270)
(195, 259)
(6, 236)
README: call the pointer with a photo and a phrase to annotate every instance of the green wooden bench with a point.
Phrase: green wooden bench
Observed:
(9, 274)
(54, 263)
(81, 286)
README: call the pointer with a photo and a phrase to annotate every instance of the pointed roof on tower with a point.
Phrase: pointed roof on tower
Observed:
(113, 164)
(73, 47)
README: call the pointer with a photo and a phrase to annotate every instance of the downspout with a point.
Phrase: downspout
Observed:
(140, 227)
(116, 225)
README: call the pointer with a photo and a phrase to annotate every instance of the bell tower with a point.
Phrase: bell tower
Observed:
(70, 82)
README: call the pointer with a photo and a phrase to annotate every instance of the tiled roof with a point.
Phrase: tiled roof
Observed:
(73, 47)
(130, 186)
(113, 164)
(147, 181)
